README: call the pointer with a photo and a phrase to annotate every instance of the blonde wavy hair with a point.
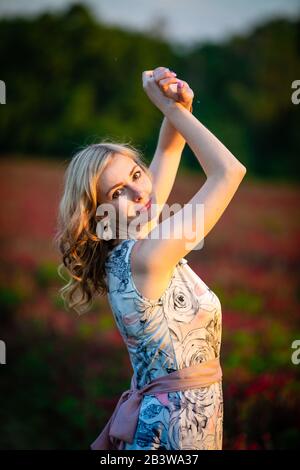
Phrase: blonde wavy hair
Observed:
(83, 253)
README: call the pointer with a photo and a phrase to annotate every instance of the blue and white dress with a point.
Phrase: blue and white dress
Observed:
(182, 328)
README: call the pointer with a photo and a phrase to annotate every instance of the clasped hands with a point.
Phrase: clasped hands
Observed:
(173, 87)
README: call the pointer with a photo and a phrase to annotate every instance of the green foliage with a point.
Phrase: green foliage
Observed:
(245, 301)
(46, 274)
(106, 322)
(72, 81)
(85, 330)
(260, 353)
(58, 302)
(70, 408)
(10, 299)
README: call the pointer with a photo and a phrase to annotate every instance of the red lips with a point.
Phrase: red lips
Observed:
(146, 206)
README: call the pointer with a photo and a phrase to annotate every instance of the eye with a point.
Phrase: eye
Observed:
(120, 189)
(136, 173)
(113, 196)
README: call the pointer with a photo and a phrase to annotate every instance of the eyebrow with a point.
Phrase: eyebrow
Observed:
(119, 184)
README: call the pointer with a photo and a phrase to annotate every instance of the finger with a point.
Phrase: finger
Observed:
(185, 89)
(147, 76)
(160, 70)
(181, 86)
(164, 74)
(181, 89)
(170, 90)
(167, 81)
(167, 75)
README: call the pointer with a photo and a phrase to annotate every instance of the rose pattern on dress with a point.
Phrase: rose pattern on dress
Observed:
(180, 329)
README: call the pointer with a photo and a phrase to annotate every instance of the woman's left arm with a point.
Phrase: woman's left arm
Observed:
(167, 156)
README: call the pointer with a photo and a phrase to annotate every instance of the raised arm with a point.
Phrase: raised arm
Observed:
(224, 175)
(167, 156)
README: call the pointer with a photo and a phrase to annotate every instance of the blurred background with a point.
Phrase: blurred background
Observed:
(73, 77)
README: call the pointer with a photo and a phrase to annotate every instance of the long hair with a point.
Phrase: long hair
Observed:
(83, 252)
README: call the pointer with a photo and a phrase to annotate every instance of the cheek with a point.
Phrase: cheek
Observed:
(122, 207)
(147, 184)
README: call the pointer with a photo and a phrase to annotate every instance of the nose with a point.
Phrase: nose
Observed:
(139, 200)
(138, 197)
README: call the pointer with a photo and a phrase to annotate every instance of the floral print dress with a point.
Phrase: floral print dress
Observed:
(183, 327)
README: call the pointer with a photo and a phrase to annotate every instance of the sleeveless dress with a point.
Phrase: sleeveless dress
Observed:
(181, 328)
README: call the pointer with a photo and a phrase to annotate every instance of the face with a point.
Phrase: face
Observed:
(125, 186)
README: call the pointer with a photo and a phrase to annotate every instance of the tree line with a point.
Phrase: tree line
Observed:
(72, 80)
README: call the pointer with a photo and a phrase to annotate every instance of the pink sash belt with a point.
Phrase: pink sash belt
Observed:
(122, 425)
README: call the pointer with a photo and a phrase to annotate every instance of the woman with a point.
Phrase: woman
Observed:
(170, 320)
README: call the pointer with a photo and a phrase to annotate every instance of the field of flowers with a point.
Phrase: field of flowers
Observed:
(64, 374)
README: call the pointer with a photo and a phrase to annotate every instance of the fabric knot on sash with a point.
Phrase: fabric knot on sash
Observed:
(122, 425)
